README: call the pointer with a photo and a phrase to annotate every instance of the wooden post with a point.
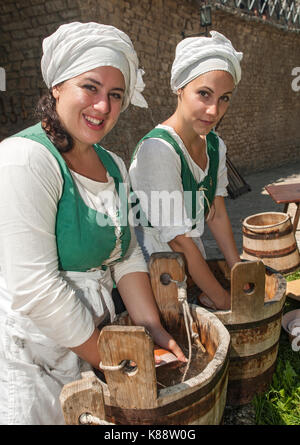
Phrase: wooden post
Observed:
(162, 267)
(81, 397)
(247, 306)
(136, 389)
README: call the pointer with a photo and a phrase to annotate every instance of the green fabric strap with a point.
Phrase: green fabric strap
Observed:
(85, 238)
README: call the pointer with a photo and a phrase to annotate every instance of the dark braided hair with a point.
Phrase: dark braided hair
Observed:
(46, 112)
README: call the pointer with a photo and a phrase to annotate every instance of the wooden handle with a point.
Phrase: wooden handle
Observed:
(248, 305)
(162, 267)
(81, 397)
(135, 388)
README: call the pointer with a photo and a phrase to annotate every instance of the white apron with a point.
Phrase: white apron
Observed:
(33, 368)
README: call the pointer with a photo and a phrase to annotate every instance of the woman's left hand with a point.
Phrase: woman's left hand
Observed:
(173, 347)
(162, 338)
(136, 292)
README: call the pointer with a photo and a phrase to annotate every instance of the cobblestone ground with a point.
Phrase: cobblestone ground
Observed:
(239, 415)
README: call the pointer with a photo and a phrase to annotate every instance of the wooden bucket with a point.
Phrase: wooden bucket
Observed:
(136, 397)
(254, 324)
(270, 237)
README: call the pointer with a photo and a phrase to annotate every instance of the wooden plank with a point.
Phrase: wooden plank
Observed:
(162, 267)
(285, 193)
(293, 289)
(296, 218)
(136, 389)
(236, 184)
(81, 397)
(247, 306)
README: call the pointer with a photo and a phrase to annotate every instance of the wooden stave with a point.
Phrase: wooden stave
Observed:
(275, 245)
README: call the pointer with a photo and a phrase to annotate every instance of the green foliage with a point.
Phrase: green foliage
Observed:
(280, 405)
(293, 276)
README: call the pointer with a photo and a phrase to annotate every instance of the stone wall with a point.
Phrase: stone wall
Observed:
(261, 128)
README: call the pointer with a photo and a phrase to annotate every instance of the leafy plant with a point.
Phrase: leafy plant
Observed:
(280, 405)
(293, 276)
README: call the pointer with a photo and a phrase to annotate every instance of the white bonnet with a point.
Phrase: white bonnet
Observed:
(198, 55)
(75, 48)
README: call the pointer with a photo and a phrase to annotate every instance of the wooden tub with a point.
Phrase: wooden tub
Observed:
(270, 237)
(254, 324)
(136, 396)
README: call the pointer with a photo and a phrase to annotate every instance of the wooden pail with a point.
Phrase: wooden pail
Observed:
(270, 237)
(254, 324)
(137, 396)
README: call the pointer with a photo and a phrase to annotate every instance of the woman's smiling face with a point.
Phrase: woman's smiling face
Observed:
(89, 105)
(204, 100)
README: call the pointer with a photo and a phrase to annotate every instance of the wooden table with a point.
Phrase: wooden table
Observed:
(286, 194)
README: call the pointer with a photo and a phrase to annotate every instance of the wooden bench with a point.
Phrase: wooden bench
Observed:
(286, 194)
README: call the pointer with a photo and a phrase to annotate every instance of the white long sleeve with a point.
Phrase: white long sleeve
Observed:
(31, 186)
(157, 167)
(133, 260)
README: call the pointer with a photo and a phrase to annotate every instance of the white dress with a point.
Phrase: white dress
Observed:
(44, 312)
(156, 168)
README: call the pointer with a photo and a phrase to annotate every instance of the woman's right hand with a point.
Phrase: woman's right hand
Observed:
(173, 347)
(223, 302)
(162, 338)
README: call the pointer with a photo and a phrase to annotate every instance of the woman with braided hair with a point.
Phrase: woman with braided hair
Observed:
(63, 244)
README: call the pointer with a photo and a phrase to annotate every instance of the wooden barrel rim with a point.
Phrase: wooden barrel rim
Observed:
(291, 269)
(153, 414)
(267, 236)
(253, 324)
(274, 254)
(253, 227)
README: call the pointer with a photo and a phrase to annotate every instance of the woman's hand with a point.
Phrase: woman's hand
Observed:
(200, 272)
(136, 292)
(162, 338)
(222, 304)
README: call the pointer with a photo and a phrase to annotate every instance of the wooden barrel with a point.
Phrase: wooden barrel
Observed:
(254, 324)
(136, 397)
(269, 236)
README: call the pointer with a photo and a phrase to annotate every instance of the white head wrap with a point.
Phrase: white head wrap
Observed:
(198, 55)
(79, 47)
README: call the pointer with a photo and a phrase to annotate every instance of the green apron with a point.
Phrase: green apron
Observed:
(83, 243)
(209, 183)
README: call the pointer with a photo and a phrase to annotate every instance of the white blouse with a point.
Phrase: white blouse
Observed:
(157, 167)
(31, 186)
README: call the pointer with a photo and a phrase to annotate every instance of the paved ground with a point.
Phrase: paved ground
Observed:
(256, 201)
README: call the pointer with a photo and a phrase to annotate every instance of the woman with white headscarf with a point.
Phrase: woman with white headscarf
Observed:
(178, 171)
(64, 235)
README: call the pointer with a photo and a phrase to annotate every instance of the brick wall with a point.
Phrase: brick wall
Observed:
(261, 129)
